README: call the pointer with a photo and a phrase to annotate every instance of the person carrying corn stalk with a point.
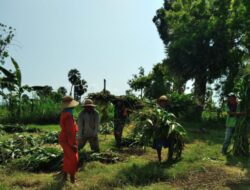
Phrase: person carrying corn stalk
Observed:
(120, 116)
(233, 114)
(160, 142)
(241, 137)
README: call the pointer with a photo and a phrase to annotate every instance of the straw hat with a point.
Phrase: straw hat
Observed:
(231, 94)
(89, 103)
(69, 102)
(163, 98)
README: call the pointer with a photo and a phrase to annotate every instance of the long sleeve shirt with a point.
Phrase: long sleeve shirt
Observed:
(231, 120)
(88, 124)
(69, 129)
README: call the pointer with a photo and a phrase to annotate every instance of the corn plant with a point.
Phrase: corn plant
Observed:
(241, 142)
(153, 123)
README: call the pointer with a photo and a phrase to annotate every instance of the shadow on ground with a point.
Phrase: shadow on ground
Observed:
(243, 162)
(57, 184)
(140, 175)
(211, 132)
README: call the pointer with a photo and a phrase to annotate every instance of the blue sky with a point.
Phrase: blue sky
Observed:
(107, 39)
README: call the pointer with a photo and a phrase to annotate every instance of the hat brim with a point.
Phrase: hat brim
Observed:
(163, 99)
(231, 95)
(89, 105)
(71, 104)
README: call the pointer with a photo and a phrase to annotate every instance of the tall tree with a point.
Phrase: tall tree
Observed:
(74, 77)
(161, 82)
(45, 92)
(80, 89)
(139, 82)
(80, 85)
(199, 41)
(6, 35)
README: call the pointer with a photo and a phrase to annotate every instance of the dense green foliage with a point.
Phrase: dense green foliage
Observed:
(203, 40)
(6, 36)
(33, 111)
(159, 81)
(140, 81)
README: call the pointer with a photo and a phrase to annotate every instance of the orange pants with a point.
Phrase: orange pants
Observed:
(70, 159)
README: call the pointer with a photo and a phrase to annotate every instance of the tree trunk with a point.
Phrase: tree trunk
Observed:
(74, 93)
(71, 90)
(199, 93)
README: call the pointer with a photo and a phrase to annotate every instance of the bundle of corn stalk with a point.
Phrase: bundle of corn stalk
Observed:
(241, 142)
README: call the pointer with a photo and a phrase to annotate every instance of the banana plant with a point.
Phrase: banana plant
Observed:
(12, 81)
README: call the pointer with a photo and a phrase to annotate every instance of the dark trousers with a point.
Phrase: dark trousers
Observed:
(93, 141)
(228, 136)
(118, 130)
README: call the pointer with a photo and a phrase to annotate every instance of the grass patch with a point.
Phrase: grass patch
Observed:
(47, 128)
(201, 161)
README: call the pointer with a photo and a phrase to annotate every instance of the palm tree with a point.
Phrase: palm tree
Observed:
(80, 89)
(74, 77)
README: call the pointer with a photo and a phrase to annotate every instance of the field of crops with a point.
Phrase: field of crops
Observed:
(31, 159)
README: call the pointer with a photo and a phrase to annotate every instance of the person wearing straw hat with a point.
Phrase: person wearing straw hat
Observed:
(67, 138)
(88, 122)
(162, 142)
(164, 103)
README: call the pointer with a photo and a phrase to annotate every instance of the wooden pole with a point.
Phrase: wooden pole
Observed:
(104, 89)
